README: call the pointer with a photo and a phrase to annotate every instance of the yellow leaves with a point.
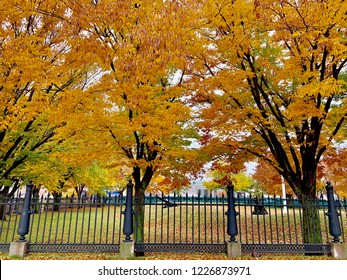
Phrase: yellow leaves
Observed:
(304, 100)
(326, 88)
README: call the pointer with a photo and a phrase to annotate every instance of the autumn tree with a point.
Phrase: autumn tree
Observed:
(139, 112)
(272, 84)
(218, 180)
(40, 84)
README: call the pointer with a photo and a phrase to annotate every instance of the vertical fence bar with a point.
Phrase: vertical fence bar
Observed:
(211, 220)
(83, 217)
(156, 218)
(120, 219)
(149, 217)
(186, 217)
(174, 221)
(108, 216)
(192, 207)
(218, 222)
(77, 202)
(282, 220)
(68, 202)
(258, 222)
(223, 216)
(264, 223)
(269, 206)
(276, 220)
(114, 222)
(167, 219)
(252, 223)
(58, 220)
(162, 220)
(288, 219)
(3, 205)
(102, 200)
(8, 223)
(180, 211)
(16, 218)
(89, 220)
(325, 219)
(64, 221)
(50, 228)
(205, 218)
(340, 206)
(245, 207)
(199, 211)
(39, 219)
(295, 227)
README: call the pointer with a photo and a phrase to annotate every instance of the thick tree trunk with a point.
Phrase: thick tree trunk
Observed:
(305, 190)
(139, 202)
(139, 208)
(312, 232)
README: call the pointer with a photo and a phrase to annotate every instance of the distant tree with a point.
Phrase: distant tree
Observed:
(218, 180)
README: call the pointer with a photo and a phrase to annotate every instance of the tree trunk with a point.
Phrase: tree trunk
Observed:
(139, 202)
(2, 208)
(139, 208)
(305, 189)
(56, 200)
(36, 199)
(312, 232)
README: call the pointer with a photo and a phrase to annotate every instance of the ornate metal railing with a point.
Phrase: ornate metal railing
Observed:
(179, 223)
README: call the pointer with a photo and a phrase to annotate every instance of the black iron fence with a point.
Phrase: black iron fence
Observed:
(172, 223)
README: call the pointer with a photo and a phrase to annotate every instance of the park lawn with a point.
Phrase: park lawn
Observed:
(198, 224)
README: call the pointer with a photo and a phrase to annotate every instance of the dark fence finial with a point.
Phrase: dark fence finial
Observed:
(128, 228)
(231, 213)
(23, 228)
(334, 225)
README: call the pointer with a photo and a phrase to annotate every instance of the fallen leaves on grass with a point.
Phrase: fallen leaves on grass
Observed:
(159, 256)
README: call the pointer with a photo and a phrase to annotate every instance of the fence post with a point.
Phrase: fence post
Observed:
(127, 246)
(338, 250)
(233, 247)
(19, 248)
(334, 225)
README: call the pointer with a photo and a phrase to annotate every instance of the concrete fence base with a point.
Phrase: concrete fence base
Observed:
(339, 250)
(127, 249)
(233, 249)
(18, 249)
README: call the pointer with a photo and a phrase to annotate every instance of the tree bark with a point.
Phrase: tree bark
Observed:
(56, 200)
(311, 222)
(305, 190)
(139, 208)
(139, 201)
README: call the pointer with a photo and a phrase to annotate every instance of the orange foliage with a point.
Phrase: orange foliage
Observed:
(272, 84)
